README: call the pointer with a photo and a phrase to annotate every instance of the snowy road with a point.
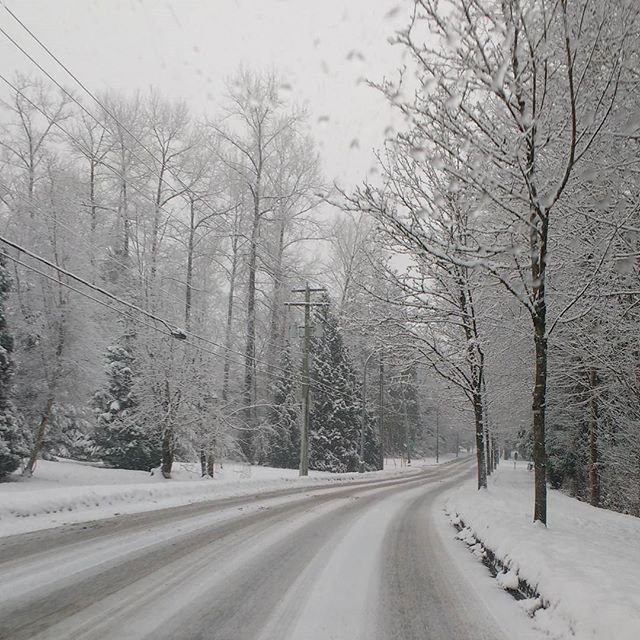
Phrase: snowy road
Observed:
(359, 561)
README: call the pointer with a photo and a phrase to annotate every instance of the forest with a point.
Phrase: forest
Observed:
(165, 276)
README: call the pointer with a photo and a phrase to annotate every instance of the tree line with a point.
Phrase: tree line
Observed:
(484, 280)
(512, 193)
(149, 258)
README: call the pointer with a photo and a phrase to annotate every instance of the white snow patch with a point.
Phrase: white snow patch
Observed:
(65, 491)
(508, 580)
(585, 564)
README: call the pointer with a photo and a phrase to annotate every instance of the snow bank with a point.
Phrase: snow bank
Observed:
(65, 492)
(585, 565)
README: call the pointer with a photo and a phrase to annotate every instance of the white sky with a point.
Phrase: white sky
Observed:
(186, 48)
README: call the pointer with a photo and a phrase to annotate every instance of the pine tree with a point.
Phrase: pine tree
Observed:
(123, 442)
(284, 439)
(335, 412)
(13, 436)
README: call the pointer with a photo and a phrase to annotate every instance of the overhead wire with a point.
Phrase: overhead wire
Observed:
(125, 314)
(82, 293)
(135, 188)
(170, 330)
(169, 170)
(89, 244)
(137, 274)
(106, 110)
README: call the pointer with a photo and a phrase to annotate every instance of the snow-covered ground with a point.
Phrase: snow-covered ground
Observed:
(65, 492)
(585, 565)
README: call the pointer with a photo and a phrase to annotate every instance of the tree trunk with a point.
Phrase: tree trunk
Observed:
(229, 326)
(407, 432)
(203, 462)
(594, 480)
(276, 321)
(210, 463)
(381, 412)
(39, 439)
(487, 441)
(124, 199)
(189, 280)
(478, 412)
(93, 213)
(155, 231)
(168, 433)
(538, 408)
(246, 440)
(167, 451)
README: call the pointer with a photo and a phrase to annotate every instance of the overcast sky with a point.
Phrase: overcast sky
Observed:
(187, 48)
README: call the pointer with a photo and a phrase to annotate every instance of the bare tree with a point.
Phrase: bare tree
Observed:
(524, 90)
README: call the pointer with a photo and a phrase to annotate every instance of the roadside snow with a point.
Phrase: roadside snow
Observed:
(585, 565)
(66, 492)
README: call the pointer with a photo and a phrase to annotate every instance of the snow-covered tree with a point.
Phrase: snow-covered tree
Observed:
(480, 98)
(13, 438)
(283, 442)
(122, 440)
(335, 419)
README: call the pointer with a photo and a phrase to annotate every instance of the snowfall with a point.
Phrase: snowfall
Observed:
(584, 566)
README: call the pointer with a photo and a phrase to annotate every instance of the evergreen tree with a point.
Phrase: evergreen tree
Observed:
(372, 444)
(123, 442)
(284, 439)
(335, 419)
(13, 436)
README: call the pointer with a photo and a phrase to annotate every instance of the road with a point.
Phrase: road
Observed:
(356, 561)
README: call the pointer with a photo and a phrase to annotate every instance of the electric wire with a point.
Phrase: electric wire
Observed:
(171, 330)
(169, 170)
(143, 146)
(135, 273)
(137, 189)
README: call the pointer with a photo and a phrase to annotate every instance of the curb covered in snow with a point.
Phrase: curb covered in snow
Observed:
(506, 577)
(579, 577)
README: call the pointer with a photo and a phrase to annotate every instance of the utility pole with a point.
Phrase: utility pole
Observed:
(304, 431)
(457, 443)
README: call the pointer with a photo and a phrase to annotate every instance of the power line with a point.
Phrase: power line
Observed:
(186, 188)
(173, 297)
(83, 293)
(168, 169)
(135, 188)
(125, 314)
(171, 330)
(128, 316)
(88, 243)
